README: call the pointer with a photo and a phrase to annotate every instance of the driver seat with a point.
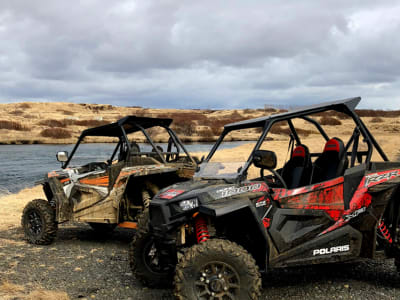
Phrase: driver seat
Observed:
(297, 171)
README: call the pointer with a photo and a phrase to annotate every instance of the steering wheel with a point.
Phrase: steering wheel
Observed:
(275, 175)
(171, 156)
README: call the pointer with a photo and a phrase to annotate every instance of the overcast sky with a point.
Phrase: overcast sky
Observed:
(200, 54)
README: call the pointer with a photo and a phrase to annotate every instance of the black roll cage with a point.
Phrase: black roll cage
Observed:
(346, 106)
(123, 138)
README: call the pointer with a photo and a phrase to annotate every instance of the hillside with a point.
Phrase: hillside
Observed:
(48, 123)
(61, 123)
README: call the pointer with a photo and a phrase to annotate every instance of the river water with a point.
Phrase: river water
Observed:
(22, 165)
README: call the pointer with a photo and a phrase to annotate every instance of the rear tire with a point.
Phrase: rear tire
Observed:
(38, 222)
(217, 269)
(143, 257)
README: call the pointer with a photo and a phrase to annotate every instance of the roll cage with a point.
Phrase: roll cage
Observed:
(131, 124)
(346, 106)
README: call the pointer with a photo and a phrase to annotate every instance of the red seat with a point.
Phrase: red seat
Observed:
(332, 163)
(297, 170)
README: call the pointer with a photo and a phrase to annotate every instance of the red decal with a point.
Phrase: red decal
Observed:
(263, 187)
(266, 222)
(169, 194)
(327, 196)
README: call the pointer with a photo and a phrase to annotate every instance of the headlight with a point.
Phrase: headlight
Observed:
(189, 204)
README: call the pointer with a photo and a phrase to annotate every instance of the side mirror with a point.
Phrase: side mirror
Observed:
(62, 156)
(265, 159)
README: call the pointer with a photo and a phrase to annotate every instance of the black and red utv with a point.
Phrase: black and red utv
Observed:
(216, 233)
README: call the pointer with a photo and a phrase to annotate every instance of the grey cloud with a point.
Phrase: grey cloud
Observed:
(199, 54)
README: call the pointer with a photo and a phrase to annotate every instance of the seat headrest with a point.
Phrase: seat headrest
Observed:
(333, 145)
(299, 151)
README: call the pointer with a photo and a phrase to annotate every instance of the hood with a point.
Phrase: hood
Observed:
(208, 190)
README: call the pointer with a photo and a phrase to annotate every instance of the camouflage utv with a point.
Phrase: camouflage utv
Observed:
(113, 192)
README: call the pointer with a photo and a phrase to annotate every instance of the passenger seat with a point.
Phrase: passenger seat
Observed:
(332, 163)
(297, 171)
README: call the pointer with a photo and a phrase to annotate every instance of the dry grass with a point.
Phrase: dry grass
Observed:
(10, 288)
(376, 120)
(279, 129)
(206, 133)
(329, 121)
(47, 295)
(190, 124)
(66, 112)
(56, 133)
(11, 125)
(24, 105)
(10, 214)
(378, 113)
(185, 128)
(89, 123)
(52, 123)
(332, 113)
(13, 291)
(17, 112)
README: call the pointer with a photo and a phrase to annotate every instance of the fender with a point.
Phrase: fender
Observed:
(232, 207)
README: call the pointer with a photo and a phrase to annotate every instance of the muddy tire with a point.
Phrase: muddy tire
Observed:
(217, 269)
(143, 257)
(103, 228)
(38, 222)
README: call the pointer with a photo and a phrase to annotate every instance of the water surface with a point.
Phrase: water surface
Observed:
(22, 165)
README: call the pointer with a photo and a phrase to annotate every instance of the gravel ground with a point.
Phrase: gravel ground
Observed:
(88, 266)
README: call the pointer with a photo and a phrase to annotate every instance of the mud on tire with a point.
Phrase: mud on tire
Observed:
(142, 262)
(38, 222)
(217, 269)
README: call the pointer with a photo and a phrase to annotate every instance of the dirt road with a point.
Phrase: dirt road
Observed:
(86, 266)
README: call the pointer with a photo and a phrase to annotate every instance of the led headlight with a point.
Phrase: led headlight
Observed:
(189, 204)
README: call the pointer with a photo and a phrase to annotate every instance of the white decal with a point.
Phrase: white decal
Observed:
(261, 203)
(354, 213)
(230, 191)
(336, 249)
(376, 177)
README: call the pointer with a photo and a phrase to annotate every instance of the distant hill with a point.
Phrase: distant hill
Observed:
(60, 123)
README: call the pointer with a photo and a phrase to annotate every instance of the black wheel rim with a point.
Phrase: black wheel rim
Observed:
(217, 280)
(151, 258)
(35, 224)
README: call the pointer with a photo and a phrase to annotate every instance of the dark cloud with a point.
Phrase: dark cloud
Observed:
(200, 54)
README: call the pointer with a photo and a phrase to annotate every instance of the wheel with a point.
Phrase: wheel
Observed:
(144, 259)
(39, 222)
(217, 269)
(103, 227)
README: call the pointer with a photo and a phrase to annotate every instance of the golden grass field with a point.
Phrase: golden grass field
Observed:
(62, 123)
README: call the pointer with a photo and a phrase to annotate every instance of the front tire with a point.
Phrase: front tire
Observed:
(38, 222)
(143, 257)
(217, 269)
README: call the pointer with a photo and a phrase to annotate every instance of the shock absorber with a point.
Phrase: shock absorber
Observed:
(202, 233)
(385, 232)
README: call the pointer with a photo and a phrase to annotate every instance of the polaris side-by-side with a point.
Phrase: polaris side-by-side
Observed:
(113, 191)
(216, 233)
